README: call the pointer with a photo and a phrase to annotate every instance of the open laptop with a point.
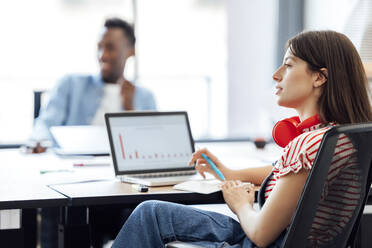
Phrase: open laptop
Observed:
(151, 148)
(80, 140)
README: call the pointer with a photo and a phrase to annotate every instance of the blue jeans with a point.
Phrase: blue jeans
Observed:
(155, 223)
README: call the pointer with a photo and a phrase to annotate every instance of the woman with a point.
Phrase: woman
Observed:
(323, 79)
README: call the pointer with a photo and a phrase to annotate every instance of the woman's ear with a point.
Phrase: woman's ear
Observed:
(322, 77)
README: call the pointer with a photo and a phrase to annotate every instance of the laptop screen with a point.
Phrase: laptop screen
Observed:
(149, 141)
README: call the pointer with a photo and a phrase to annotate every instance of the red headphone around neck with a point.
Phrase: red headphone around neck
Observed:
(286, 130)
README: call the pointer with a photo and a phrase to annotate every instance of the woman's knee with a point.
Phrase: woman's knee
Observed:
(152, 208)
(150, 204)
(147, 207)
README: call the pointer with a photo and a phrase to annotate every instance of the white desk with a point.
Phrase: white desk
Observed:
(24, 171)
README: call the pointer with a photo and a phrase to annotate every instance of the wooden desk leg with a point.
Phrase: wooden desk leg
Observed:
(11, 231)
(73, 230)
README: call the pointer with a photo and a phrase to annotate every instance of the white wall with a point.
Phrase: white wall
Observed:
(251, 38)
(327, 14)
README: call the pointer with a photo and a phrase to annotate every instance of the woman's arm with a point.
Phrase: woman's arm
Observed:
(254, 175)
(265, 226)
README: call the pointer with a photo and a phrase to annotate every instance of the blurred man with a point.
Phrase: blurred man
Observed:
(83, 99)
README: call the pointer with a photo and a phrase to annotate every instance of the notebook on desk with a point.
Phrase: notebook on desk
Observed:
(151, 148)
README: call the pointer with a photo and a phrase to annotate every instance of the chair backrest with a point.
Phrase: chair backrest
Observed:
(37, 103)
(332, 202)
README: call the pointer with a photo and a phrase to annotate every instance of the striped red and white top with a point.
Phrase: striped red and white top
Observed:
(299, 153)
(342, 188)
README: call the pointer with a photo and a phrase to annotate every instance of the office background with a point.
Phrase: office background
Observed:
(216, 57)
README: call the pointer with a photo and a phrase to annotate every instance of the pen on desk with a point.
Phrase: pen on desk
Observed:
(49, 171)
(214, 167)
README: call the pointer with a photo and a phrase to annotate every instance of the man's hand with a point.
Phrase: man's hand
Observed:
(127, 94)
(38, 148)
(237, 195)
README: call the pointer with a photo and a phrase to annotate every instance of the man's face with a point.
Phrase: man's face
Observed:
(113, 51)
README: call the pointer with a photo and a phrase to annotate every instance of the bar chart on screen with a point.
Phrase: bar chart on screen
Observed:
(151, 146)
(150, 155)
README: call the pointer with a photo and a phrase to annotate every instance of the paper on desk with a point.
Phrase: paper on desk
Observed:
(79, 175)
(199, 186)
(65, 172)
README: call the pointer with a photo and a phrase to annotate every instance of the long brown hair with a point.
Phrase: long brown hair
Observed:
(345, 97)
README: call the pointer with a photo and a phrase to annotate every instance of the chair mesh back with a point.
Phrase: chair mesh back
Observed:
(340, 197)
(336, 190)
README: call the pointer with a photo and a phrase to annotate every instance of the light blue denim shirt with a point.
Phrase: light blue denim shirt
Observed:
(75, 100)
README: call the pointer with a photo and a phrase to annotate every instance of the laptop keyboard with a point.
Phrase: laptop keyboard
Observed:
(165, 174)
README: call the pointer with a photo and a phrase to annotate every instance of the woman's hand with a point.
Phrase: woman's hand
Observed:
(237, 195)
(202, 166)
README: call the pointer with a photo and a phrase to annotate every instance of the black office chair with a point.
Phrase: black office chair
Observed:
(330, 183)
(37, 102)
